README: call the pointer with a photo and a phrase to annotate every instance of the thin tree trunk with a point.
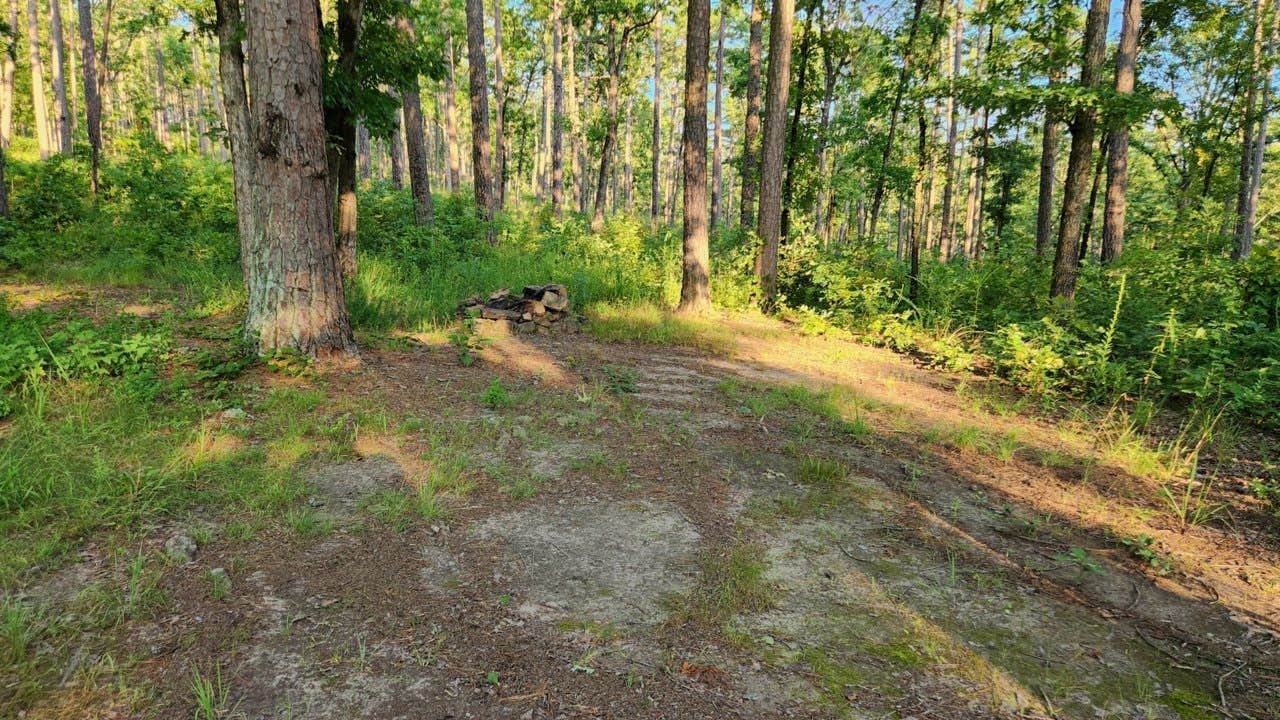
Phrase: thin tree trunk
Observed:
(1255, 151)
(751, 124)
(655, 199)
(451, 119)
(201, 131)
(695, 283)
(717, 156)
(62, 112)
(340, 124)
(499, 114)
(947, 236)
(774, 149)
(577, 145)
(4, 186)
(295, 287)
(627, 150)
(364, 153)
(480, 173)
(41, 110)
(1118, 154)
(557, 111)
(415, 140)
(1048, 173)
(161, 113)
(788, 182)
(1086, 231)
(231, 70)
(1066, 263)
(7, 75)
(877, 195)
(917, 221)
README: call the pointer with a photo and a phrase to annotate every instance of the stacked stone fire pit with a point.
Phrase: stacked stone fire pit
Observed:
(537, 309)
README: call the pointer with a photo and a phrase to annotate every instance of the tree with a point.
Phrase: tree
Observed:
(1066, 262)
(481, 177)
(1254, 130)
(717, 159)
(92, 100)
(947, 235)
(695, 283)
(751, 123)
(415, 140)
(1048, 167)
(655, 198)
(235, 98)
(1118, 142)
(296, 298)
(557, 109)
(499, 113)
(904, 73)
(41, 110)
(340, 117)
(7, 74)
(62, 118)
(773, 149)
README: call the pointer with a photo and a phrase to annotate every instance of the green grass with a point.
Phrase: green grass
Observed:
(731, 582)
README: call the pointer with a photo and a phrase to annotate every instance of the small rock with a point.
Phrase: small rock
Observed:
(180, 547)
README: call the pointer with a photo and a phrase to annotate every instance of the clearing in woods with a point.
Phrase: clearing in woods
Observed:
(757, 524)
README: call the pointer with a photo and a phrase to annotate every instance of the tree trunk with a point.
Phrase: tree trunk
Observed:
(717, 156)
(577, 145)
(877, 195)
(1066, 262)
(4, 186)
(627, 151)
(41, 110)
(1048, 174)
(62, 112)
(364, 153)
(1086, 230)
(340, 126)
(1118, 153)
(451, 119)
(917, 220)
(695, 282)
(7, 75)
(160, 116)
(295, 288)
(557, 111)
(202, 141)
(947, 236)
(788, 182)
(615, 56)
(655, 198)
(779, 82)
(231, 70)
(416, 141)
(499, 114)
(480, 175)
(1255, 142)
(751, 124)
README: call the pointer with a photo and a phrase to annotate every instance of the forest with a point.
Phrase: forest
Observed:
(639, 358)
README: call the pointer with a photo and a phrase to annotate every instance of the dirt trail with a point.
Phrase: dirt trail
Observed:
(904, 575)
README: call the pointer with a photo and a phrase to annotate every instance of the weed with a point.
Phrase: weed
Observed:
(1079, 557)
(307, 522)
(619, 379)
(467, 342)
(1144, 548)
(496, 397)
(211, 695)
(731, 582)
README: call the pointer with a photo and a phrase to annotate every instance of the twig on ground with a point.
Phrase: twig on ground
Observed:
(1222, 695)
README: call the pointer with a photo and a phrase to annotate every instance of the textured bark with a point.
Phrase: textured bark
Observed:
(557, 110)
(773, 149)
(340, 125)
(1254, 148)
(396, 151)
(1118, 153)
(751, 124)
(1066, 262)
(295, 287)
(481, 177)
(793, 131)
(877, 195)
(946, 237)
(717, 154)
(416, 144)
(7, 74)
(235, 99)
(62, 111)
(41, 110)
(655, 197)
(1048, 171)
(577, 139)
(451, 119)
(695, 284)
(92, 99)
(499, 115)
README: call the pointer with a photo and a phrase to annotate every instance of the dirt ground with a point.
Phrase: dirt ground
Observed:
(627, 500)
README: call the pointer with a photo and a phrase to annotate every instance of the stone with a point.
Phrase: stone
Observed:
(555, 301)
(180, 548)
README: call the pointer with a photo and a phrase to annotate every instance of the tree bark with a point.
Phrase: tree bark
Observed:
(7, 75)
(788, 181)
(499, 114)
(92, 100)
(41, 110)
(62, 112)
(451, 119)
(415, 140)
(774, 147)
(1118, 153)
(1048, 173)
(655, 197)
(616, 55)
(947, 236)
(917, 221)
(1066, 262)
(340, 125)
(202, 141)
(296, 298)
(751, 125)
(480, 174)
(717, 155)
(557, 110)
(160, 116)
(4, 185)
(231, 70)
(877, 195)
(1255, 142)
(695, 282)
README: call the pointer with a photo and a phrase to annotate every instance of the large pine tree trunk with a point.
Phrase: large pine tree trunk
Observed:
(557, 110)
(41, 110)
(62, 111)
(7, 74)
(481, 177)
(499, 114)
(1118, 153)
(655, 197)
(695, 283)
(751, 125)
(231, 70)
(295, 288)
(717, 156)
(92, 100)
(1066, 262)
(774, 146)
